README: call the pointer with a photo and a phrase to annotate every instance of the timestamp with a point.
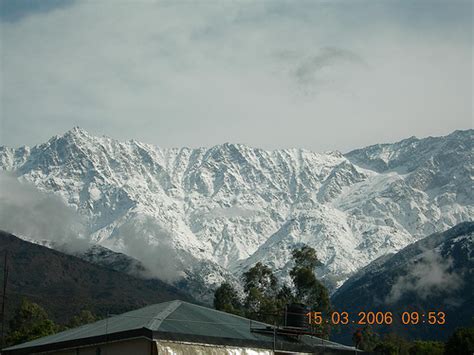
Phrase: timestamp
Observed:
(377, 318)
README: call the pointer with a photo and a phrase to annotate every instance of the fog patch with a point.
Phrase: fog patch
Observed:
(29, 212)
(145, 240)
(430, 275)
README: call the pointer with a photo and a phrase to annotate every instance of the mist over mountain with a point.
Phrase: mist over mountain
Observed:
(207, 214)
(432, 275)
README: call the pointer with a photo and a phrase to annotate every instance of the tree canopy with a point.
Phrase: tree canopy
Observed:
(226, 299)
(265, 300)
(29, 322)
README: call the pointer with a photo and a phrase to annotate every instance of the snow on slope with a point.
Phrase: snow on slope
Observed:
(231, 205)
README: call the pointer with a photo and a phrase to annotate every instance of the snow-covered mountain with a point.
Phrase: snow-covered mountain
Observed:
(219, 210)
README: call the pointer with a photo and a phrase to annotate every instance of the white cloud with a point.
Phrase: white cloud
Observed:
(145, 240)
(430, 275)
(29, 212)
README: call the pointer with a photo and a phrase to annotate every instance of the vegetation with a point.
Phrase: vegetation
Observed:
(261, 288)
(461, 342)
(365, 338)
(84, 317)
(30, 321)
(426, 347)
(226, 299)
(265, 300)
(392, 344)
(308, 289)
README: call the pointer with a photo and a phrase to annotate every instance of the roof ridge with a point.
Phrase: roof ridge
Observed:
(156, 321)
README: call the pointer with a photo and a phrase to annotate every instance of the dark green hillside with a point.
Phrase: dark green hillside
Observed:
(433, 274)
(64, 285)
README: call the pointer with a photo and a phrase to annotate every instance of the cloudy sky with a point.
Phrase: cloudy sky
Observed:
(316, 74)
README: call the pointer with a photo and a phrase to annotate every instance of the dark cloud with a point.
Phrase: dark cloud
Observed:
(309, 72)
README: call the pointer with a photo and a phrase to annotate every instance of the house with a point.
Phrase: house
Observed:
(177, 327)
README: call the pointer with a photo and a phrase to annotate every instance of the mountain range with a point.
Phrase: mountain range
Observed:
(204, 215)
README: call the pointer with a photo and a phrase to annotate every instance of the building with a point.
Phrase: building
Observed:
(177, 327)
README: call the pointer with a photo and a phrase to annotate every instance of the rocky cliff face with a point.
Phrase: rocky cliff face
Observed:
(227, 206)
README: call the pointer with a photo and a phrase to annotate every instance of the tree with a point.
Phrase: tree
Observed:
(309, 290)
(461, 342)
(85, 317)
(261, 289)
(225, 299)
(386, 348)
(306, 257)
(261, 278)
(392, 344)
(29, 322)
(285, 296)
(265, 301)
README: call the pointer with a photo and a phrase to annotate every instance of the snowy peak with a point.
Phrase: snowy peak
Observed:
(411, 153)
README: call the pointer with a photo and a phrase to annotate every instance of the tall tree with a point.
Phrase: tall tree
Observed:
(226, 299)
(261, 278)
(265, 301)
(29, 322)
(309, 290)
(261, 288)
(306, 257)
(285, 296)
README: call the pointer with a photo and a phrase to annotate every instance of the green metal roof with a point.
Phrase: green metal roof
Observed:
(174, 318)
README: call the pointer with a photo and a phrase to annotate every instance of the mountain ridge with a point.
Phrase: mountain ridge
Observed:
(230, 205)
